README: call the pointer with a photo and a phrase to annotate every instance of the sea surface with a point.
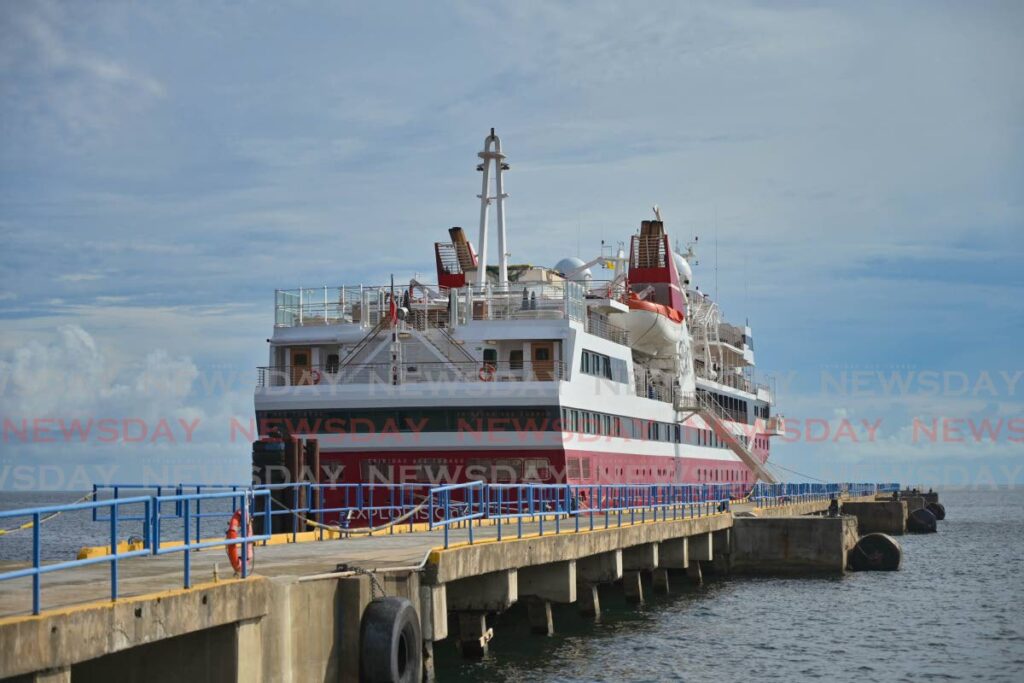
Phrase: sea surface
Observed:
(955, 611)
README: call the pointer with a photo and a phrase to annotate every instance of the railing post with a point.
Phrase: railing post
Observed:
(469, 513)
(36, 578)
(447, 515)
(244, 548)
(113, 552)
(186, 552)
(499, 490)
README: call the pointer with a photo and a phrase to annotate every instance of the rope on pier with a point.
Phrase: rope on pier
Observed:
(357, 530)
(29, 525)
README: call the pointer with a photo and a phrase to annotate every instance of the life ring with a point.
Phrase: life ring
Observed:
(486, 373)
(315, 376)
(390, 642)
(235, 557)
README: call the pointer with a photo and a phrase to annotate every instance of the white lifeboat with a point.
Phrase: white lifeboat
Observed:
(653, 328)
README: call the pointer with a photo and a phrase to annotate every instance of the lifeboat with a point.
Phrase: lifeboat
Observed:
(654, 329)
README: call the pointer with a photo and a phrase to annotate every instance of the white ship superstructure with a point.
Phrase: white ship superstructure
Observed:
(520, 372)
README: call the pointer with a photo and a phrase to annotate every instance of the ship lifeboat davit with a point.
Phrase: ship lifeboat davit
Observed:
(653, 328)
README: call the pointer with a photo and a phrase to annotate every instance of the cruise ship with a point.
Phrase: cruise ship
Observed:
(617, 369)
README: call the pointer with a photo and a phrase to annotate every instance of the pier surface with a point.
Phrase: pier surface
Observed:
(248, 629)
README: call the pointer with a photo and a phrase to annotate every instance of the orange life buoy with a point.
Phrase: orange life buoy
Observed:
(234, 530)
(486, 373)
(315, 376)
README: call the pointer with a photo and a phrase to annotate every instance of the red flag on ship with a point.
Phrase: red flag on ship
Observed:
(392, 309)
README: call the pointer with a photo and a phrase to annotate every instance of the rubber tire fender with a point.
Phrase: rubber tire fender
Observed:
(390, 642)
(937, 509)
(921, 521)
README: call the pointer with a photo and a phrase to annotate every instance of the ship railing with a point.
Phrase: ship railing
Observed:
(599, 325)
(366, 304)
(646, 387)
(528, 301)
(411, 373)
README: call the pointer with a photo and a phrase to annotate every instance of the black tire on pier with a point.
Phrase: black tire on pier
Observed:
(937, 509)
(876, 552)
(921, 521)
(390, 644)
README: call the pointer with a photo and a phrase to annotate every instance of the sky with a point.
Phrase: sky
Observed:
(854, 172)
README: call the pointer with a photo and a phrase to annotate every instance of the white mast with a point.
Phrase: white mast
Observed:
(492, 151)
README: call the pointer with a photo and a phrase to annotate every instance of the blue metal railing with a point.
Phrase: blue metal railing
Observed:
(115, 517)
(457, 503)
(767, 495)
(586, 505)
(239, 499)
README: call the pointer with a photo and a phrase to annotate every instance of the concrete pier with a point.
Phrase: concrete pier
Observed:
(788, 545)
(300, 619)
(884, 516)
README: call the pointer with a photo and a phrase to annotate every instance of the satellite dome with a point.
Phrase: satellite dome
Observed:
(683, 269)
(571, 263)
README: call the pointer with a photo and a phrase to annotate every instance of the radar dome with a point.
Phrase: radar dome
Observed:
(571, 263)
(683, 269)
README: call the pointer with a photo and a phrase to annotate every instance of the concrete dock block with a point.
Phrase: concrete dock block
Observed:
(674, 553)
(693, 573)
(600, 568)
(786, 545)
(249, 667)
(640, 557)
(555, 582)
(883, 516)
(434, 612)
(701, 547)
(493, 592)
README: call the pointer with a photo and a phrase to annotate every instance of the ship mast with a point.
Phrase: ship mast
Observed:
(492, 152)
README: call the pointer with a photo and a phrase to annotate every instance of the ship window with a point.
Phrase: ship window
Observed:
(574, 468)
(515, 359)
(331, 365)
(600, 365)
(491, 356)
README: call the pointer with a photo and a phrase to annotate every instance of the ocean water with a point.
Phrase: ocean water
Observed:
(955, 611)
(63, 535)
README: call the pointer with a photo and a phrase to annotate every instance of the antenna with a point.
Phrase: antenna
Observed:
(492, 152)
(716, 252)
